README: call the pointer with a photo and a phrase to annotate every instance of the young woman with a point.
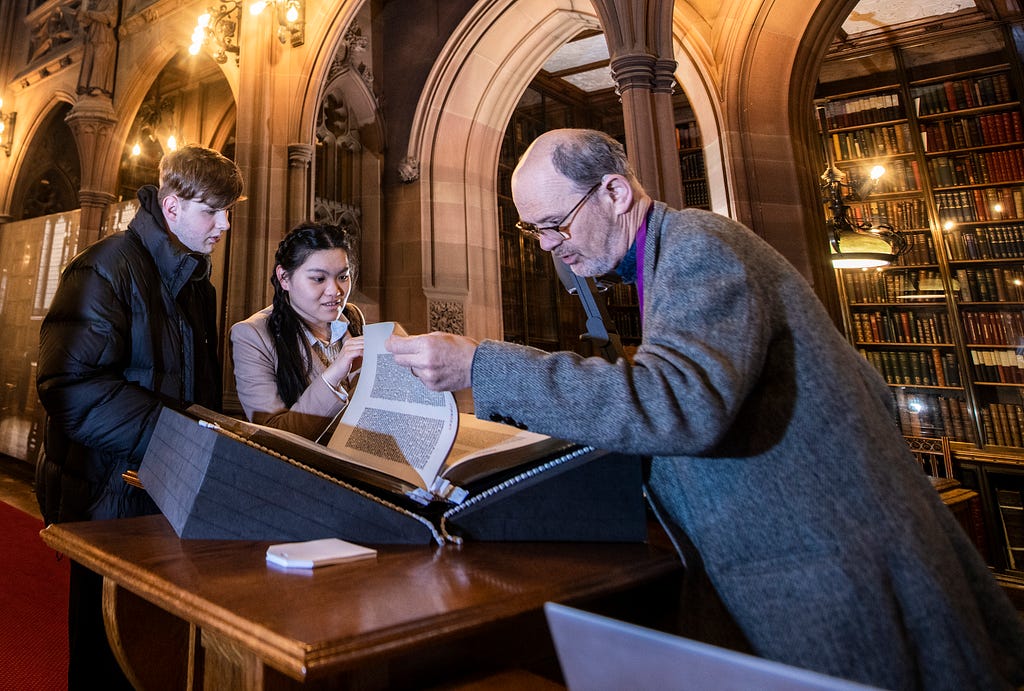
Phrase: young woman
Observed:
(295, 360)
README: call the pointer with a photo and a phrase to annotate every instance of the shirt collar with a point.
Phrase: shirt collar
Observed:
(627, 267)
(339, 327)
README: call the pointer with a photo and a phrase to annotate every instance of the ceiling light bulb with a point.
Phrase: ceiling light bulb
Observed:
(204, 20)
(292, 14)
(136, 149)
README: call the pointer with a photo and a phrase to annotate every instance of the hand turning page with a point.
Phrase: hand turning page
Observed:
(393, 422)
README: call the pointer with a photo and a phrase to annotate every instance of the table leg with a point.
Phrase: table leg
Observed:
(156, 649)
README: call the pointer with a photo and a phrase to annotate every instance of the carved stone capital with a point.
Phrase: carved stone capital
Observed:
(300, 155)
(409, 169)
(95, 198)
(92, 115)
(635, 71)
(665, 76)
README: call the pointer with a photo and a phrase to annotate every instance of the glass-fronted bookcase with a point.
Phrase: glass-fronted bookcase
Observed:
(945, 323)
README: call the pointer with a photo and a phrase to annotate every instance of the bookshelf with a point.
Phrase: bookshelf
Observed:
(691, 165)
(533, 307)
(945, 325)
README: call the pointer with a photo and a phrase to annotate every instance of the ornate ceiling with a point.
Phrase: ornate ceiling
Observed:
(583, 63)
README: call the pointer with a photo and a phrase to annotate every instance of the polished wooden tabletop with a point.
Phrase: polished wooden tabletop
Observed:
(338, 616)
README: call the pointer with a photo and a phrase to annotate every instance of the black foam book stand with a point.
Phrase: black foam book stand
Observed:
(211, 484)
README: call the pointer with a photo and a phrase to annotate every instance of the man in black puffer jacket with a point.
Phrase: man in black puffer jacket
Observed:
(132, 328)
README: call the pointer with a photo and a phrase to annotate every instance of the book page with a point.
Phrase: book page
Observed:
(479, 438)
(482, 448)
(393, 422)
(309, 452)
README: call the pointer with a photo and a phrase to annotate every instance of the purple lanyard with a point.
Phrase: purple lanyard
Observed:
(641, 240)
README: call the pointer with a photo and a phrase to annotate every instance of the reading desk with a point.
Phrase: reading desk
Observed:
(212, 614)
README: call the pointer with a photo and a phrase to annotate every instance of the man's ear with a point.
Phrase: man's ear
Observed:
(620, 192)
(171, 206)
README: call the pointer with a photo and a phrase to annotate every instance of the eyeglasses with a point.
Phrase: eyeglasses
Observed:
(555, 231)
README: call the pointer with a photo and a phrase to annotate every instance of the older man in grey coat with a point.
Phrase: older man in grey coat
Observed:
(773, 443)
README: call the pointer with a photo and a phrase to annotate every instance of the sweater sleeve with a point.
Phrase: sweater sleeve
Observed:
(705, 338)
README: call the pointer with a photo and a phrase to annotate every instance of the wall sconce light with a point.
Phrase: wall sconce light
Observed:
(854, 245)
(7, 121)
(857, 245)
(291, 19)
(217, 28)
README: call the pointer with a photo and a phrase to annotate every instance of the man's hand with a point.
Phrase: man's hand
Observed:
(442, 361)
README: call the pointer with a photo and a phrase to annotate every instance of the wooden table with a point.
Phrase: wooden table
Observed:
(212, 614)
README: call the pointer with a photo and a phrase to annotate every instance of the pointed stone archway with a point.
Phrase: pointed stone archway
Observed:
(456, 137)
(756, 149)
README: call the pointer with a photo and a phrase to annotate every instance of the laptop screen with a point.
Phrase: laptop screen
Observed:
(599, 653)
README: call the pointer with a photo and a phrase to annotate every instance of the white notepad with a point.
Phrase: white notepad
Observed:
(313, 553)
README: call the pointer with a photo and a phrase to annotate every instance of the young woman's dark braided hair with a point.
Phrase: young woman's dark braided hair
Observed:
(294, 358)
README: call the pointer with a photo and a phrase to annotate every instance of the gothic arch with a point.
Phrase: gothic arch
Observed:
(28, 129)
(456, 136)
(340, 74)
(693, 74)
(39, 162)
(778, 50)
(330, 37)
(758, 62)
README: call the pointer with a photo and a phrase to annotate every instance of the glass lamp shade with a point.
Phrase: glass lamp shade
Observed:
(861, 251)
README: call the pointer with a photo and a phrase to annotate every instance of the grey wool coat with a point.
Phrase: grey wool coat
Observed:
(774, 448)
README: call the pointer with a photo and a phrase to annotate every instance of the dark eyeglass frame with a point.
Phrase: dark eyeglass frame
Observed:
(538, 232)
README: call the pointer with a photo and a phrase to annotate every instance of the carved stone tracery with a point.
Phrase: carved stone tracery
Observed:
(336, 213)
(448, 316)
(339, 147)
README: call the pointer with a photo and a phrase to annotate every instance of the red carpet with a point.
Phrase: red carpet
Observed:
(33, 607)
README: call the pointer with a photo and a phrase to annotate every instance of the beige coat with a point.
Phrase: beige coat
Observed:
(255, 366)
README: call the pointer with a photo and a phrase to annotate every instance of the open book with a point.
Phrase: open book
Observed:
(397, 435)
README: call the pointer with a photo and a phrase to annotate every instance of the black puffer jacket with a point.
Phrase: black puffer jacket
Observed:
(132, 327)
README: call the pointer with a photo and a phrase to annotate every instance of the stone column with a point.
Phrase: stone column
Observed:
(92, 121)
(300, 158)
(665, 133)
(639, 43)
(634, 77)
